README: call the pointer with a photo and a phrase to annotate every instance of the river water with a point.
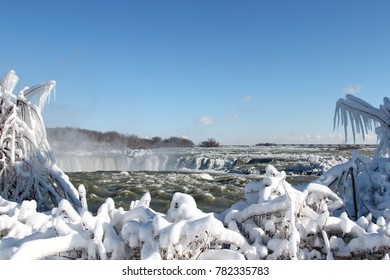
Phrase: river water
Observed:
(214, 177)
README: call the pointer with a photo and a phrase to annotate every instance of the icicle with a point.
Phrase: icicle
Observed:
(83, 197)
(351, 117)
(13, 147)
(345, 122)
(361, 114)
(42, 92)
(8, 83)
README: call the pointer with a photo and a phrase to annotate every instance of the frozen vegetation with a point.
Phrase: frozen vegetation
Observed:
(344, 214)
(27, 167)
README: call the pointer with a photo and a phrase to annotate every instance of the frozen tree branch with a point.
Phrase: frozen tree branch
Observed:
(363, 117)
(27, 166)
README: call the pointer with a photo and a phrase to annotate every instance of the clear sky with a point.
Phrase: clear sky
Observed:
(242, 72)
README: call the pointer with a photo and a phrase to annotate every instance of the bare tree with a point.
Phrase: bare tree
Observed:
(209, 143)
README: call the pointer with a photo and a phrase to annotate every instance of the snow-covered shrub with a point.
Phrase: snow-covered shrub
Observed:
(283, 222)
(27, 167)
(138, 233)
(363, 183)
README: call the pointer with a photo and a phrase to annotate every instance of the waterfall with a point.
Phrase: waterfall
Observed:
(142, 160)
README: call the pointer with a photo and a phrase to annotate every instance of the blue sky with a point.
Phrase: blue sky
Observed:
(242, 72)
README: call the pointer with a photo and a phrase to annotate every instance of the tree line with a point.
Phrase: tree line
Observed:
(113, 138)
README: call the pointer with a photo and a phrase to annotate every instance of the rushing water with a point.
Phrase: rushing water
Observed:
(214, 177)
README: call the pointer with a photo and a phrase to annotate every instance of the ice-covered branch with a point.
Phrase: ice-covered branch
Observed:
(364, 117)
(42, 92)
(27, 166)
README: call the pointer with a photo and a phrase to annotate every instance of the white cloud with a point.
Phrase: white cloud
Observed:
(352, 89)
(206, 120)
(248, 98)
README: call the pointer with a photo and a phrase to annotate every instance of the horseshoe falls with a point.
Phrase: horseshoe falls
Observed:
(215, 177)
(294, 159)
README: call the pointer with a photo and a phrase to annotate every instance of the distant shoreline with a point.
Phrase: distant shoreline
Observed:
(68, 136)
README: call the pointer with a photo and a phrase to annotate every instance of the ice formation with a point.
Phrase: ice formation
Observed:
(364, 183)
(363, 117)
(27, 167)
